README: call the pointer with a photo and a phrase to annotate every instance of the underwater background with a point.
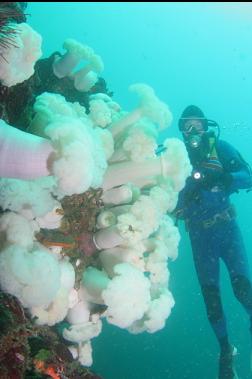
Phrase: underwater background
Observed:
(190, 53)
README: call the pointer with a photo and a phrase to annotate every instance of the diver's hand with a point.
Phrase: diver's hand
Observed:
(213, 177)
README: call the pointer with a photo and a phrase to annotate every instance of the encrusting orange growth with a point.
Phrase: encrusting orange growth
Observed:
(40, 366)
(65, 245)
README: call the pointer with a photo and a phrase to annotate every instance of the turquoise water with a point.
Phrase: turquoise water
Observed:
(190, 53)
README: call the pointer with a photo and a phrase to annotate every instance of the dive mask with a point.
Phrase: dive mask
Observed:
(190, 125)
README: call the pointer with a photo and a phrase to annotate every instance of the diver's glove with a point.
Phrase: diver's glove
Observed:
(206, 176)
(212, 177)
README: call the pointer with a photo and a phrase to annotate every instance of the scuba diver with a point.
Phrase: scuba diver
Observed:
(218, 171)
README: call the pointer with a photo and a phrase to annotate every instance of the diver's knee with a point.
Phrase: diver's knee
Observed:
(242, 289)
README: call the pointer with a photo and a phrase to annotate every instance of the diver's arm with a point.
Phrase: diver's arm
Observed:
(238, 174)
(241, 179)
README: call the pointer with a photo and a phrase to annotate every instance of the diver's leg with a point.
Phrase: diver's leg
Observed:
(217, 320)
(243, 291)
(207, 265)
(235, 258)
(215, 315)
(205, 247)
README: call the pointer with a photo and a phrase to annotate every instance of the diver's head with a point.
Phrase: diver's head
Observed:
(193, 124)
(192, 121)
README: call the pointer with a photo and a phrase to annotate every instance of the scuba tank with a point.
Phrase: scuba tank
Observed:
(203, 146)
(212, 161)
(203, 154)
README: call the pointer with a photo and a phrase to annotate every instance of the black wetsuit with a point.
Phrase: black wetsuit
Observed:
(215, 235)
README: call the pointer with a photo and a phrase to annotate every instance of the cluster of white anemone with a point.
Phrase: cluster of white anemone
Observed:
(115, 150)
